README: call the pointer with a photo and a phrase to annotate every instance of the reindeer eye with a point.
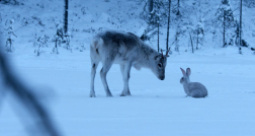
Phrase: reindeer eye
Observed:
(160, 65)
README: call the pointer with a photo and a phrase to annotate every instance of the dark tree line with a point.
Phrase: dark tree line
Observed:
(12, 2)
(176, 13)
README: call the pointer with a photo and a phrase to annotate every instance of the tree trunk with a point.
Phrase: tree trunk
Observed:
(178, 27)
(158, 22)
(168, 23)
(240, 30)
(224, 28)
(191, 41)
(66, 17)
(177, 39)
(158, 34)
(197, 40)
(178, 2)
(150, 6)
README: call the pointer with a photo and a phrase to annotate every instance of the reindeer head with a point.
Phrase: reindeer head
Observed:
(160, 64)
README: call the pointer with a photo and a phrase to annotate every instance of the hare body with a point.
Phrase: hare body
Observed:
(193, 89)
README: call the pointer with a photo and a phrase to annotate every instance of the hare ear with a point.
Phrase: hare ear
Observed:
(188, 71)
(183, 71)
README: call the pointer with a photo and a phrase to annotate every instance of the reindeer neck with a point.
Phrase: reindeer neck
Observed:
(148, 55)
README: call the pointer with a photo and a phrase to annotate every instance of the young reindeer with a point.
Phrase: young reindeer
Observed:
(127, 50)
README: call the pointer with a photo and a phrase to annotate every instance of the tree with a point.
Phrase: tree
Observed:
(199, 22)
(62, 35)
(66, 17)
(10, 33)
(182, 19)
(191, 41)
(199, 31)
(225, 18)
(240, 28)
(179, 21)
(168, 24)
(154, 16)
(66, 35)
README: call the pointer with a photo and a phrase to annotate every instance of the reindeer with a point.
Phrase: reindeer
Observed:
(127, 50)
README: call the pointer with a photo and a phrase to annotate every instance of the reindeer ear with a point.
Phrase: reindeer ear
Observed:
(183, 71)
(188, 71)
(142, 37)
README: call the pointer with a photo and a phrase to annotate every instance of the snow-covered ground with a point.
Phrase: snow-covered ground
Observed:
(156, 108)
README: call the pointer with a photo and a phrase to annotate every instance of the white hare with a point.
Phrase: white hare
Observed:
(193, 89)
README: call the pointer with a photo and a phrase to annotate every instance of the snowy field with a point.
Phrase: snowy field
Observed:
(156, 108)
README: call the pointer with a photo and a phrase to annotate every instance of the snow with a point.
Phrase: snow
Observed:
(156, 108)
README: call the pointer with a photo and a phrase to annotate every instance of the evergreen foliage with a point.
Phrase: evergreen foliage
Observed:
(225, 19)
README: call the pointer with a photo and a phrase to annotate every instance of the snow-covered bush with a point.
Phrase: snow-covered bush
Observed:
(249, 3)
(9, 41)
(58, 38)
(40, 42)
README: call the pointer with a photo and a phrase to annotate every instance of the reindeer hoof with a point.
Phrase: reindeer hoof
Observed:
(109, 95)
(122, 95)
(92, 95)
(126, 94)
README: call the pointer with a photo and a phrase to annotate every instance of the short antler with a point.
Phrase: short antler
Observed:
(162, 52)
(168, 52)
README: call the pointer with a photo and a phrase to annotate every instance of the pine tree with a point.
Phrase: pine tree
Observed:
(226, 19)
(199, 33)
(155, 16)
(178, 21)
(9, 41)
(199, 26)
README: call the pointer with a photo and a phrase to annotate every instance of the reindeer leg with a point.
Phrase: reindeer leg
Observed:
(103, 72)
(93, 73)
(125, 69)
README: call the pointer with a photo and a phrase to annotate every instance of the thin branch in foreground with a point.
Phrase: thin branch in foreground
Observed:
(25, 96)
